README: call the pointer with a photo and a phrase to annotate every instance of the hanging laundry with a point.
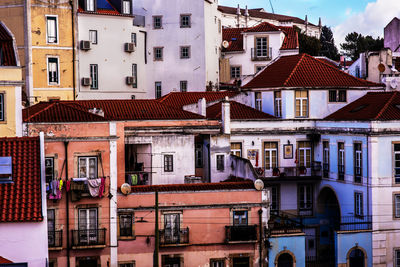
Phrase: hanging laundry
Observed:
(61, 185)
(102, 185)
(134, 179)
(55, 190)
(94, 186)
(68, 185)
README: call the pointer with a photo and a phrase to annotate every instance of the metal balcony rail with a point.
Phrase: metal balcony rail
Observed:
(326, 170)
(341, 172)
(313, 170)
(355, 223)
(357, 174)
(54, 238)
(261, 54)
(284, 223)
(89, 237)
(241, 233)
(178, 236)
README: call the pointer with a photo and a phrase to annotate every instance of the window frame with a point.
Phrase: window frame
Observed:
(127, 264)
(217, 262)
(396, 178)
(335, 96)
(52, 168)
(135, 75)
(158, 89)
(236, 150)
(358, 164)
(235, 71)
(183, 86)
(396, 205)
(55, 19)
(93, 3)
(396, 254)
(220, 162)
(278, 104)
(302, 113)
(240, 217)
(269, 151)
(275, 200)
(261, 47)
(123, 7)
(168, 162)
(94, 76)
(157, 24)
(181, 20)
(87, 224)
(2, 106)
(258, 100)
(325, 158)
(95, 41)
(341, 159)
(158, 52)
(358, 204)
(308, 202)
(57, 72)
(185, 52)
(121, 234)
(198, 155)
(304, 149)
(134, 38)
(87, 158)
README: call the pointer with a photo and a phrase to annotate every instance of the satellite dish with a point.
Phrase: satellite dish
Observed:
(259, 184)
(225, 44)
(393, 84)
(125, 189)
(381, 67)
(383, 80)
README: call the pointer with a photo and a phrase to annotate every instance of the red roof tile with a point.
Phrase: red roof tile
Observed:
(372, 106)
(194, 187)
(263, 27)
(305, 71)
(21, 200)
(4, 260)
(78, 111)
(235, 38)
(179, 99)
(238, 112)
(291, 40)
(7, 47)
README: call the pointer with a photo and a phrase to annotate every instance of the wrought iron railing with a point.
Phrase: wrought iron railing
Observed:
(315, 170)
(170, 237)
(357, 175)
(284, 223)
(54, 238)
(355, 223)
(241, 233)
(261, 54)
(89, 237)
(340, 172)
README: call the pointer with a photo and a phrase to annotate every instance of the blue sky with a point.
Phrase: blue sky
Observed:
(367, 17)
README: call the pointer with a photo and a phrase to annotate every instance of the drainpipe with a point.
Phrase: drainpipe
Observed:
(73, 47)
(156, 234)
(260, 261)
(368, 178)
(67, 200)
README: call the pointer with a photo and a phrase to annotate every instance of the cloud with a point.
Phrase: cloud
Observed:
(371, 21)
(348, 11)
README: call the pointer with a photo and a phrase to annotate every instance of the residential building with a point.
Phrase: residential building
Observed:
(23, 216)
(44, 36)
(391, 35)
(10, 88)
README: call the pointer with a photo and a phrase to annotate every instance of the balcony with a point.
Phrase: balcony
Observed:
(241, 233)
(180, 237)
(282, 223)
(355, 223)
(261, 54)
(89, 238)
(314, 171)
(54, 239)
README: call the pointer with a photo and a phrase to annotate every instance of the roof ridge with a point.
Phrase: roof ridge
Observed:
(294, 69)
(40, 111)
(84, 109)
(386, 105)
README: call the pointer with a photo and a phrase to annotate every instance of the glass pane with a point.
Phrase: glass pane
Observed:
(82, 219)
(82, 167)
(93, 219)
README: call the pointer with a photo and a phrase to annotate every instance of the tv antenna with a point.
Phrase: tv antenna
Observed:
(273, 12)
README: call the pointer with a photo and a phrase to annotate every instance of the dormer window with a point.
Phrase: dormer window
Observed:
(126, 7)
(5, 169)
(90, 5)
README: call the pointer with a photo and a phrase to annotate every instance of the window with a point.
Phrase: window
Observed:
(325, 158)
(158, 53)
(52, 37)
(217, 262)
(278, 104)
(49, 169)
(185, 52)
(301, 103)
(94, 76)
(52, 67)
(157, 22)
(270, 155)
(275, 197)
(397, 257)
(87, 167)
(93, 36)
(239, 217)
(133, 38)
(134, 75)
(235, 72)
(172, 228)
(304, 148)
(6, 169)
(236, 149)
(305, 195)
(87, 225)
(199, 155)
(183, 86)
(262, 47)
(2, 107)
(357, 163)
(341, 158)
(126, 7)
(127, 264)
(185, 21)
(337, 95)
(126, 225)
(220, 162)
(158, 89)
(51, 227)
(168, 163)
(358, 204)
(397, 206)
(259, 68)
(258, 100)
(90, 5)
(396, 148)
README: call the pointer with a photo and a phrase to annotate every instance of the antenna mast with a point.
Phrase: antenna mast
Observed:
(273, 12)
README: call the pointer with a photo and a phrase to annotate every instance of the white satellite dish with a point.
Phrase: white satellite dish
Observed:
(259, 184)
(126, 189)
(383, 80)
(225, 44)
(393, 84)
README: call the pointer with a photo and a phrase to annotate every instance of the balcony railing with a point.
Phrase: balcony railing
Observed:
(326, 170)
(314, 170)
(54, 239)
(355, 223)
(340, 172)
(168, 237)
(137, 177)
(282, 223)
(89, 237)
(261, 54)
(357, 175)
(241, 233)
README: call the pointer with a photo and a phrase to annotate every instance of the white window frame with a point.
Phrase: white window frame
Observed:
(258, 100)
(133, 38)
(270, 164)
(55, 19)
(126, 7)
(278, 104)
(93, 33)
(236, 151)
(94, 76)
(158, 53)
(87, 159)
(58, 70)
(236, 72)
(168, 158)
(262, 46)
(302, 113)
(2, 106)
(242, 218)
(49, 160)
(307, 197)
(306, 152)
(396, 205)
(325, 154)
(90, 5)
(87, 226)
(358, 204)
(158, 89)
(341, 157)
(134, 75)
(358, 159)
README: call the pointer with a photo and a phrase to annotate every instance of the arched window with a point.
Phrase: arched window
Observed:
(357, 258)
(285, 260)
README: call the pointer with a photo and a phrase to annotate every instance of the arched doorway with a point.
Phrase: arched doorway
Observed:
(356, 258)
(285, 260)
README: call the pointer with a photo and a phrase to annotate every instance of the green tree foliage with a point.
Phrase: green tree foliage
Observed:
(308, 44)
(328, 47)
(355, 43)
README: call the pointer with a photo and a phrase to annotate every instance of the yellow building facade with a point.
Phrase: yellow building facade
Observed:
(43, 31)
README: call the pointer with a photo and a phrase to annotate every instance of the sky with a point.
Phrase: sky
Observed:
(367, 17)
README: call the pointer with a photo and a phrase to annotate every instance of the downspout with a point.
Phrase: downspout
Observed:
(145, 46)
(260, 261)
(209, 161)
(67, 200)
(368, 177)
(73, 48)
(43, 181)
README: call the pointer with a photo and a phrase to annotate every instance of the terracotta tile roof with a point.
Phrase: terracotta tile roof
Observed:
(7, 47)
(21, 201)
(235, 38)
(291, 40)
(179, 99)
(372, 106)
(258, 13)
(4, 260)
(305, 71)
(78, 111)
(194, 187)
(329, 61)
(263, 27)
(238, 112)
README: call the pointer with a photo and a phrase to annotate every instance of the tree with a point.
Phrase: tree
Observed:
(355, 43)
(308, 44)
(328, 47)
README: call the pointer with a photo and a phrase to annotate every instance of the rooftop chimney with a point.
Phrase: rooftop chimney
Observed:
(226, 116)
(202, 107)
(238, 16)
(246, 15)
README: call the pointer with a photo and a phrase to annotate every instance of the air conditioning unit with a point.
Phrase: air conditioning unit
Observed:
(130, 80)
(86, 81)
(85, 45)
(129, 47)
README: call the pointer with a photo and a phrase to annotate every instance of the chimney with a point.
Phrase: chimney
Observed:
(226, 116)
(202, 107)
(238, 16)
(246, 16)
(306, 24)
